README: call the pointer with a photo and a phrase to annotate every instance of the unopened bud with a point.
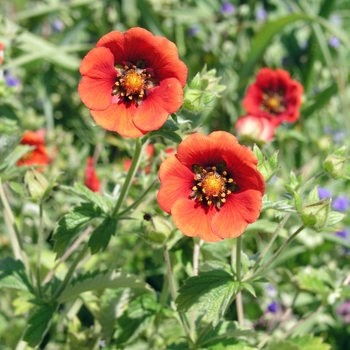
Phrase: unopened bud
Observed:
(316, 214)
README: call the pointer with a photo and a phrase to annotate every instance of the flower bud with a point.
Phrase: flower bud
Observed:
(267, 167)
(254, 128)
(335, 166)
(316, 214)
(37, 184)
(157, 229)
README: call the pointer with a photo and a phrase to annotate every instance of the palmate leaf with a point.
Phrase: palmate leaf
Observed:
(39, 323)
(308, 342)
(137, 317)
(8, 144)
(72, 223)
(13, 275)
(98, 280)
(210, 292)
(102, 234)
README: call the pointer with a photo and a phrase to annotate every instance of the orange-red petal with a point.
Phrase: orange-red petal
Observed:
(162, 100)
(98, 72)
(239, 210)
(194, 220)
(176, 182)
(114, 41)
(117, 117)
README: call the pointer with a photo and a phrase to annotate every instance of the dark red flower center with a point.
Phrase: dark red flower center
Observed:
(27, 156)
(273, 102)
(212, 185)
(132, 83)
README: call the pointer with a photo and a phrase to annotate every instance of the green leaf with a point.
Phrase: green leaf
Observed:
(102, 234)
(283, 345)
(8, 143)
(309, 342)
(314, 280)
(99, 280)
(210, 292)
(334, 217)
(313, 195)
(249, 288)
(72, 223)
(279, 205)
(138, 316)
(39, 324)
(13, 275)
(167, 134)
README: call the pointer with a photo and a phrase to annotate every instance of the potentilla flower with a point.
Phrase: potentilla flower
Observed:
(211, 187)
(91, 179)
(1, 52)
(275, 96)
(255, 128)
(132, 81)
(37, 156)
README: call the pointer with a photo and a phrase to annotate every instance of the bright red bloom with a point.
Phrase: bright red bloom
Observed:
(255, 128)
(132, 81)
(275, 96)
(211, 187)
(37, 156)
(1, 52)
(91, 180)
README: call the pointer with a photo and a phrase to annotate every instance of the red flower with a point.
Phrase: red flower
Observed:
(211, 187)
(255, 128)
(37, 156)
(91, 180)
(1, 52)
(275, 96)
(132, 81)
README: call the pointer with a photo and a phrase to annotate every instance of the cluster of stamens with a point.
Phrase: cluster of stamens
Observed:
(132, 83)
(273, 102)
(212, 185)
(27, 156)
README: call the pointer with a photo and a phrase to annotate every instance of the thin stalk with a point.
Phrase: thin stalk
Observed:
(269, 244)
(138, 200)
(70, 272)
(263, 268)
(15, 236)
(39, 247)
(312, 179)
(172, 289)
(239, 301)
(129, 177)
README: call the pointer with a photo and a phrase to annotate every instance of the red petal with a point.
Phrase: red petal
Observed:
(205, 150)
(239, 210)
(32, 138)
(176, 182)
(166, 63)
(114, 41)
(98, 79)
(193, 220)
(140, 44)
(118, 118)
(163, 100)
(252, 100)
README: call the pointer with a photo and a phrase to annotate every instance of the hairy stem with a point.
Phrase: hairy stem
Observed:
(39, 247)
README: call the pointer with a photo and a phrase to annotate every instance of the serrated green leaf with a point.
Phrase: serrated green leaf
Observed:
(210, 292)
(137, 317)
(283, 345)
(39, 323)
(8, 143)
(249, 288)
(98, 280)
(314, 280)
(309, 342)
(279, 205)
(258, 153)
(101, 236)
(72, 223)
(13, 275)
(167, 134)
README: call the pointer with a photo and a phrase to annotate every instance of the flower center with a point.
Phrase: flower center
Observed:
(27, 156)
(132, 83)
(273, 103)
(212, 185)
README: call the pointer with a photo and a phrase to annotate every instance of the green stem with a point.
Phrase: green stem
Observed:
(172, 289)
(39, 246)
(138, 200)
(69, 274)
(15, 236)
(238, 258)
(308, 182)
(269, 244)
(129, 177)
(263, 268)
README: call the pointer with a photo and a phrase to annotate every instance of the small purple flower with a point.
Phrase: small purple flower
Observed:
(227, 9)
(11, 81)
(339, 136)
(261, 14)
(271, 291)
(324, 192)
(344, 311)
(57, 25)
(193, 31)
(273, 307)
(334, 42)
(343, 234)
(341, 203)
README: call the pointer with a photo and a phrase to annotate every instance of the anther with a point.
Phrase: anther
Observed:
(130, 97)
(223, 200)
(230, 180)
(224, 173)
(194, 188)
